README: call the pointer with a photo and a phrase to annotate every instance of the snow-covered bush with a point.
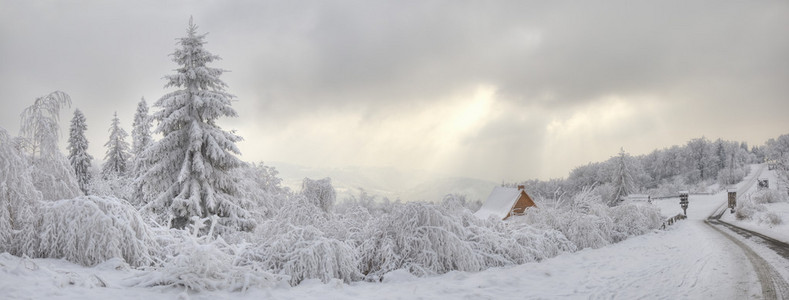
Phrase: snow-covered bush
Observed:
(320, 192)
(769, 196)
(204, 263)
(588, 223)
(420, 237)
(753, 207)
(350, 225)
(259, 184)
(89, 230)
(747, 209)
(632, 219)
(771, 218)
(304, 252)
(301, 242)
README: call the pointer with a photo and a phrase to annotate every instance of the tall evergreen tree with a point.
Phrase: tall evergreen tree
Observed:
(141, 132)
(623, 179)
(117, 150)
(190, 166)
(78, 150)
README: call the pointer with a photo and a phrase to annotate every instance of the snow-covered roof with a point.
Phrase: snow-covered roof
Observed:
(499, 203)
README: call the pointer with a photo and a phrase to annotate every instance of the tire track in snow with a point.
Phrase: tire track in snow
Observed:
(773, 285)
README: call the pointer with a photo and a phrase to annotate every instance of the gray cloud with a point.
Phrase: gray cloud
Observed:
(552, 66)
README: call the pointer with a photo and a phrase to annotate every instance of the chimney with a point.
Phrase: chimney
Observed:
(521, 187)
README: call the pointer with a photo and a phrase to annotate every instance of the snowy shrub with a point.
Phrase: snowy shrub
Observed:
(89, 230)
(588, 231)
(259, 184)
(501, 243)
(304, 252)
(419, 237)
(302, 241)
(747, 210)
(632, 219)
(588, 223)
(350, 225)
(771, 218)
(769, 196)
(204, 263)
(320, 192)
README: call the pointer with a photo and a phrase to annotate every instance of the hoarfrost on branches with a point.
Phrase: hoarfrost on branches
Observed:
(320, 191)
(205, 263)
(52, 175)
(18, 195)
(89, 230)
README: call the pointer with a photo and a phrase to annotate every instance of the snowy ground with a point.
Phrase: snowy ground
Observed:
(690, 260)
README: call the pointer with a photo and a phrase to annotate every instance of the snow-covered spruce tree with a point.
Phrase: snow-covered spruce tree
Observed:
(141, 139)
(190, 166)
(623, 179)
(52, 175)
(115, 162)
(141, 134)
(78, 150)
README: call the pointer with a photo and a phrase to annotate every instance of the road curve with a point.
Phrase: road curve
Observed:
(772, 283)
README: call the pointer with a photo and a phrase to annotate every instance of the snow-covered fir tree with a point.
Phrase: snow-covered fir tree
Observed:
(190, 166)
(623, 179)
(117, 151)
(141, 133)
(78, 150)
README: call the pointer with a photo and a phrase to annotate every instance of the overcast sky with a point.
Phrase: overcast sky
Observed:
(488, 89)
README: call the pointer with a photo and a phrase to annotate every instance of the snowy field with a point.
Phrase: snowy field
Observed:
(690, 260)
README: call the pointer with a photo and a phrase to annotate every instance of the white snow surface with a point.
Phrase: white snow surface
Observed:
(499, 203)
(690, 260)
